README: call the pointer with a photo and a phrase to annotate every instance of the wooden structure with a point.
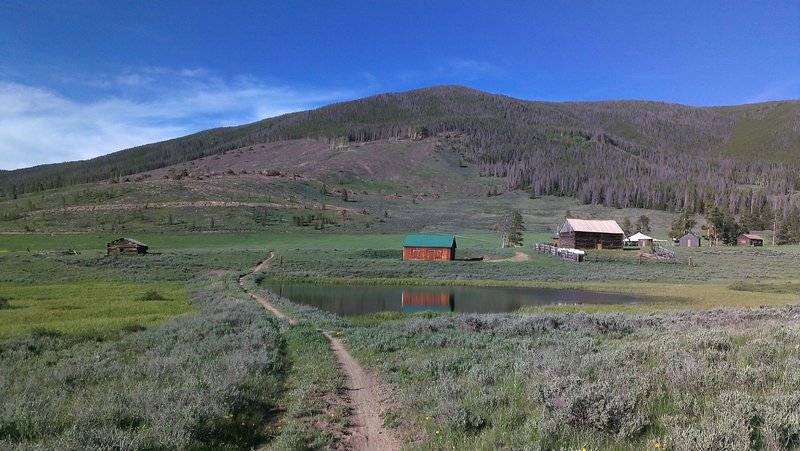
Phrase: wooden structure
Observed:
(429, 247)
(689, 240)
(125, 246)
(640, 240)
(590, 234)
(566, 254)
(747, 239)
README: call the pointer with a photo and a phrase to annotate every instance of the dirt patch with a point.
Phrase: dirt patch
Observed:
(518, 257)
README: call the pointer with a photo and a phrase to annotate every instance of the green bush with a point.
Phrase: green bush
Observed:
(152, 295)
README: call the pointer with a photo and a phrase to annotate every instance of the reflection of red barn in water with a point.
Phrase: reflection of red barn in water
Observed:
(434, 301)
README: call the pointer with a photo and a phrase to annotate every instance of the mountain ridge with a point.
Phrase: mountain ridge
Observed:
(615, 152)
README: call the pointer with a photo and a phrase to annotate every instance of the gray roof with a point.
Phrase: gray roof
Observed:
(592, 225)
(130, 240)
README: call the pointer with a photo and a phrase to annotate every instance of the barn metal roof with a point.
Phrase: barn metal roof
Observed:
(592, 225)
(752, 237)
(430, 241)
(638, 236)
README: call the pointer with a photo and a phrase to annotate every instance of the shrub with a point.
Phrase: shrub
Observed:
(152, 295)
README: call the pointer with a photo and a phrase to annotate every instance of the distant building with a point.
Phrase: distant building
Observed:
(640, 239)
(689, 240)
(590, 234)
(429, 247)
(125, 246)
(747, 239)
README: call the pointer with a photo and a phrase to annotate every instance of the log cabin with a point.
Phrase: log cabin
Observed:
(747, 239)
(590, 234)
(125, 246)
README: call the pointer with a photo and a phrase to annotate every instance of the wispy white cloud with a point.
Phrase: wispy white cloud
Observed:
(40, 125)
(781, 90)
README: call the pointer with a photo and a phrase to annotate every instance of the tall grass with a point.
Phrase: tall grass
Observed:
(721, 379)
(206, 380)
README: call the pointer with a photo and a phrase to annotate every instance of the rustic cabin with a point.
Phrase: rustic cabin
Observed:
(429, 247)
(747, 239)
(590, 234)
(125, 246)
(689, 240)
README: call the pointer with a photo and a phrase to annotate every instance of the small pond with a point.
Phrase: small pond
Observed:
(355, 300)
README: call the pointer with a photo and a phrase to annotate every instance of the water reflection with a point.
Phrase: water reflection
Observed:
(441, 301)
(354, 300)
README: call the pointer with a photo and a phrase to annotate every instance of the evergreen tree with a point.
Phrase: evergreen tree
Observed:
(626, 226)
(510, 228)
(515, 237)
(682, 223)
(643, 224)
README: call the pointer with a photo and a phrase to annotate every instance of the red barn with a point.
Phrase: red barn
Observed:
(429, 247)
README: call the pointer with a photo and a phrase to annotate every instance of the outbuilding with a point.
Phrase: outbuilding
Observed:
(429, 247)
(747, 239)
(590, 234)
(691, 239)
(640, 239)
(125, 246)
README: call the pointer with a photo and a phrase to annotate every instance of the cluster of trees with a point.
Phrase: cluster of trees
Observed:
(510, 229)
(641, 225)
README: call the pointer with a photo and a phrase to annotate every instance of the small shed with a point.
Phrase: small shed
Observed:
(126, 246)
(691, 239)
(429, 247)
(640, 239)
(590, 234)
(747, 239)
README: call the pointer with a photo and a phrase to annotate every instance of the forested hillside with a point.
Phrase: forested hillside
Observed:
(616, 153)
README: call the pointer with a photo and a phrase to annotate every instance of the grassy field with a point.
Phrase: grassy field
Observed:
(88, 308)
(78, 337)
(155, 351)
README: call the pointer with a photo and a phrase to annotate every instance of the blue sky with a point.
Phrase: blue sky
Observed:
(85, 78)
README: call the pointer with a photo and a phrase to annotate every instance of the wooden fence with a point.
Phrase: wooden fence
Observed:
(566, 254)
(663, 252)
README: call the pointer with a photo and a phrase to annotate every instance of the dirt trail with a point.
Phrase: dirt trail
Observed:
(262, 300)
(366, 431)
(518, 257)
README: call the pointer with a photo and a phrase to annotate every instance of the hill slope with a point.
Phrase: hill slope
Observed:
(619, 153)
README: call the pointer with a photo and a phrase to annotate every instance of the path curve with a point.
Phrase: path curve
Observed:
(366, 432)
(518, 257)
(261, 299)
